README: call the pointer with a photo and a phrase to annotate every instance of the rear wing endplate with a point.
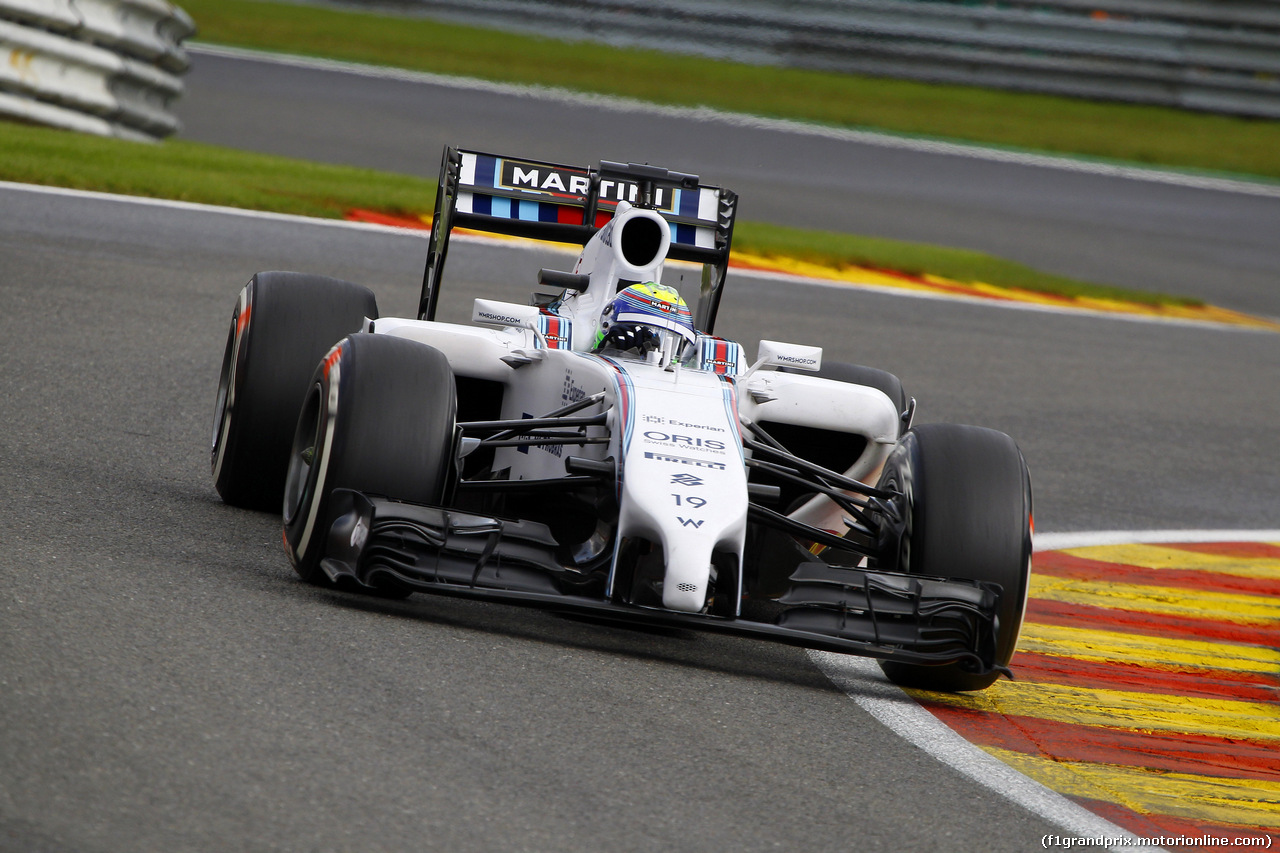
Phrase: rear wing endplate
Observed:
(568, 204)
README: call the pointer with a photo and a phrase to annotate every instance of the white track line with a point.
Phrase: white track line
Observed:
(1059, 541)
(863, 681)
(858, 677)
(706, 114)
(531, 245)
(170, 204)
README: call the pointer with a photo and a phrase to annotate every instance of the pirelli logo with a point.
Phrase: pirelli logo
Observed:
(683, 460)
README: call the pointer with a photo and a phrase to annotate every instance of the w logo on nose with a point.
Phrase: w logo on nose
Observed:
(689, 522)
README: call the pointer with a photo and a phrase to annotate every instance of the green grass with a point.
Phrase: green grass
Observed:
(962, 265)
(1142, 134)
(178, 169)
(190, 171)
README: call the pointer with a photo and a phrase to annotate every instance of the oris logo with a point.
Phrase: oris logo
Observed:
(684, 440)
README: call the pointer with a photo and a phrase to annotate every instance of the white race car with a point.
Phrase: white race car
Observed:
(601, 451)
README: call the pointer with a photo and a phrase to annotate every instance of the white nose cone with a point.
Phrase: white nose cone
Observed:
(684, 483)
(684, 586)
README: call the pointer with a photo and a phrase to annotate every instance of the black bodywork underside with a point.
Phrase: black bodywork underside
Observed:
(801, 600)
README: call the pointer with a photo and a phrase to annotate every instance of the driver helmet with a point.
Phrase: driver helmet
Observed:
(652, 305)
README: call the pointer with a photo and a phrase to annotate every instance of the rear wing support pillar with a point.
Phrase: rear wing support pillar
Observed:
(441, 225)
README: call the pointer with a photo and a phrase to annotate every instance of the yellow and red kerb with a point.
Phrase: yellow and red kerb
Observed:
(1148, 688)
(866, 276)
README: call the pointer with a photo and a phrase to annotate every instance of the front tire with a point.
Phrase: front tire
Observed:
(966, 514)
(378, 418)
(282, 324)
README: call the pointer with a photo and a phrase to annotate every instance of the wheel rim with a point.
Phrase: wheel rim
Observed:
(897, 532)
(298, 481)
(224, 384)
(222, 403)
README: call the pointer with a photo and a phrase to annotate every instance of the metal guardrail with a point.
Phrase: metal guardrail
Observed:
(110, 67)
(1215, 55)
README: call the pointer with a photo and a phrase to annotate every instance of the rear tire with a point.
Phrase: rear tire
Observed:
(282, 324)
(378, 418)
(967, 503)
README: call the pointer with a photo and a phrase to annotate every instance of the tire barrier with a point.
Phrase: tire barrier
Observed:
(110, 67)
(1212, 55)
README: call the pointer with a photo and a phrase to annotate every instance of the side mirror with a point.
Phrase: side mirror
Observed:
(491, 312)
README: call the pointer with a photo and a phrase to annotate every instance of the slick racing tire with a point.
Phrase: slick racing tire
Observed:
(378, 418)
(282, 324)
(966, 514)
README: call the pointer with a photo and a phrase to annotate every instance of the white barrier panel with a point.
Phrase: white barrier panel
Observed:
(109, 67)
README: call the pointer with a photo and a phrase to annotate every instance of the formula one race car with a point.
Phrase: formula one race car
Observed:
(601, 451)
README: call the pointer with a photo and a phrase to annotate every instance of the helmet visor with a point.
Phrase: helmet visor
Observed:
(671, 324)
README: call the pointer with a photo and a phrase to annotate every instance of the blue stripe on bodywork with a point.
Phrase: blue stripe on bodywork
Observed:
(623, 387)
(729, 388)
(688, 202)
(625, 394)
(486, 170)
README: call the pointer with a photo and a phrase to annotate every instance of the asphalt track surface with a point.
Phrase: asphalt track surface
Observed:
(1217, 246)
(168, 684)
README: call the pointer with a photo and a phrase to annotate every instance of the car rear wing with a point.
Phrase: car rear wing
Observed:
(568, 204)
